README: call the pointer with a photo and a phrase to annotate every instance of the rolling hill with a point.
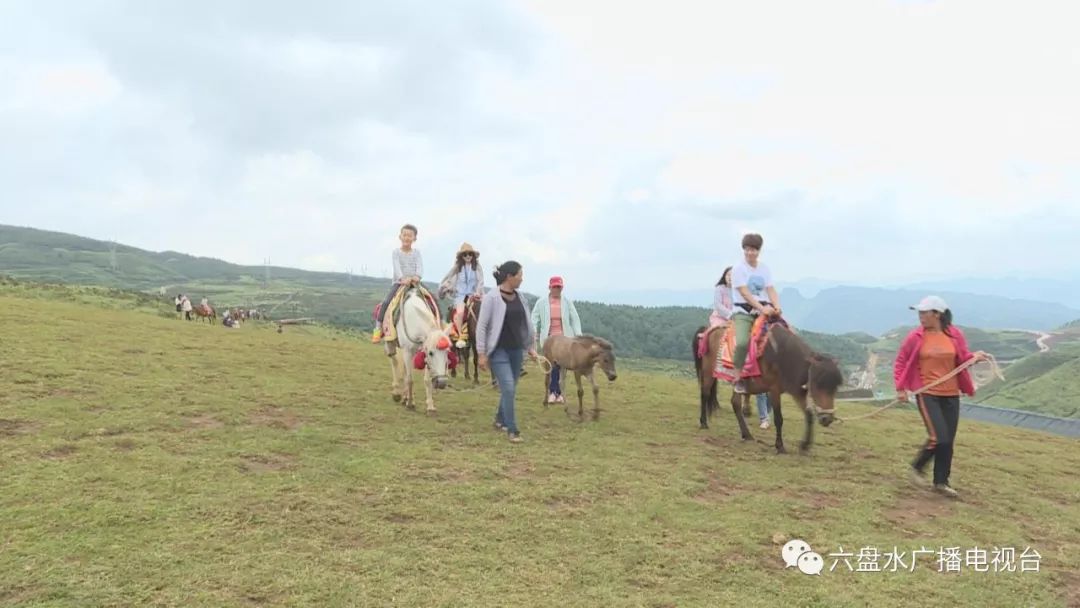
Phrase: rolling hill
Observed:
(150, 461)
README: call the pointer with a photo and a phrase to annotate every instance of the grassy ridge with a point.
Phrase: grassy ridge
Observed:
(149, 461)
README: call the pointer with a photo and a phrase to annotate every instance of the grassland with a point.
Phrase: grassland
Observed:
(153, 462)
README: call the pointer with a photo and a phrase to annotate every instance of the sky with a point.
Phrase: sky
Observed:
(618, 144)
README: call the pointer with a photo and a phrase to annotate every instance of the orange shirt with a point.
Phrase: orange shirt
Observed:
(556, 317)
(937, 357)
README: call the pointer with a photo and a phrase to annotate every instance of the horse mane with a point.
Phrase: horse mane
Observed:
(824, 373)
(798, 363)
(602, 343)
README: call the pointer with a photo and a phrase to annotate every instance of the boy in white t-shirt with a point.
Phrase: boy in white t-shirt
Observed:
(752, 294)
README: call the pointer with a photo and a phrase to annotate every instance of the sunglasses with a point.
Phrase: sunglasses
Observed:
(466, 255)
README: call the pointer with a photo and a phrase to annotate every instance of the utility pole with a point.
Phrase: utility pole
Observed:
(112, 256)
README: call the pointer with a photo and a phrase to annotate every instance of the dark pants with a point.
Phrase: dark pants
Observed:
(553, 387)
(386, 302)
(941, 415)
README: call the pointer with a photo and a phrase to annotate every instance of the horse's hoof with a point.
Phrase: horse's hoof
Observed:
(703, 427)
(781, 449)
(397, 398)
(432, 413)
(804, 448)
(747, 437)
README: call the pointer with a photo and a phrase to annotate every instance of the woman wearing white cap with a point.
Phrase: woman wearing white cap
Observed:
(930, 352)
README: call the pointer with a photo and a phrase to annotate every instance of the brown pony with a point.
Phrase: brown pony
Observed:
(789, 366)
(207, 313)
(580, 355)
(472, 313)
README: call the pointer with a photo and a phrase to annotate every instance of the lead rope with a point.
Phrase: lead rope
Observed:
(963, 366)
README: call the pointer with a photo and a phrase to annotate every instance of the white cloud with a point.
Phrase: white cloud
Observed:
(614, 143)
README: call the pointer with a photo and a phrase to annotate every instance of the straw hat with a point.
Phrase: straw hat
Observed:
(467, 248)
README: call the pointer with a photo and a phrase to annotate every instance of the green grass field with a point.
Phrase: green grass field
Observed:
(148, 461)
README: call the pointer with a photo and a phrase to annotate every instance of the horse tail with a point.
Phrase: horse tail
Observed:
(694, 348)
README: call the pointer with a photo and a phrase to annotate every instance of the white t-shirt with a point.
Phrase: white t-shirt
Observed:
(754, 279)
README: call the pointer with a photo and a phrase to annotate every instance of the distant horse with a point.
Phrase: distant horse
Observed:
(580, 355)
(419, 340)
(788, 365)
(205, 312)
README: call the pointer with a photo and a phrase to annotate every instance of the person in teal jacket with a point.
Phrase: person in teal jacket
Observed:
(555, 315)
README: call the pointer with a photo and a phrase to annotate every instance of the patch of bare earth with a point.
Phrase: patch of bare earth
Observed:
(11, 428)
(911, 512)
(717, 490)
(204, 421)
(275, 417)
(569, 505)
(59, 452)
(125, 445)
(266, 463)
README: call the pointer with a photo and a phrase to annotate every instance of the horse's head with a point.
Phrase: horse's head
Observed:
(823, 381)
(602, 353)
(437, 356)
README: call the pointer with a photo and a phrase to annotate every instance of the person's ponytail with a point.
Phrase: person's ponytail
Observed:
(505, 270)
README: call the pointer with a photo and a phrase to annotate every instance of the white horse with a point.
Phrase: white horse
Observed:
(418, 331)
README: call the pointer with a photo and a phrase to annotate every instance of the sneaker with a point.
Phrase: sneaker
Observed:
(560, 399)
(552, 398)
(498, 426)
(739, 387)
(918, 477)
(461, 344)
(946, 490)
(516, 438)
(764, 424)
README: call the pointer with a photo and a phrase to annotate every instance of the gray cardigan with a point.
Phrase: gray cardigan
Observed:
(489, 325)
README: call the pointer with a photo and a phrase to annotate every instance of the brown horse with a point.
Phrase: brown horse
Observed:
(580, 355)
(788, 365)
(472, 313)
(206, 312)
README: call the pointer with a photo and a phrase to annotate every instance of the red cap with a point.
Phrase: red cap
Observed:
(555, 282)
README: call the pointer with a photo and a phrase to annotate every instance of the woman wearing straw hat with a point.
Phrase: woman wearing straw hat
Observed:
(465, 280)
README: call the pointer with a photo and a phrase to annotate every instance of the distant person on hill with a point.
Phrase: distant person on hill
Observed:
(464, 281)
(408, 268)
(929, 353)
(185, 305)
(753, 295)
(555, 315)
(179, 306)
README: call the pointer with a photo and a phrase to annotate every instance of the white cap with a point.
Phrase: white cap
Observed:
(931, 303)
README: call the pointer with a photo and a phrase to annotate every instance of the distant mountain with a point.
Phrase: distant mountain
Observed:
(1061, 291)
(841, 310)
(46, 256)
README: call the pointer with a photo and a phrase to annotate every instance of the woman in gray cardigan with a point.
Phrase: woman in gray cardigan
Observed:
(503, 336)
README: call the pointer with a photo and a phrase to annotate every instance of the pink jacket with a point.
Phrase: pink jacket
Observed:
(906, 368)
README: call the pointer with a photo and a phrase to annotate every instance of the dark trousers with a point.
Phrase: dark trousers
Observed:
(941, 415)
(386, 302)
(553, 386)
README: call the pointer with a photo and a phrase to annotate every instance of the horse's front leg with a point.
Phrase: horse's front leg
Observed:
(808, 436)
(410, 402)
(547, 385)
(778, 420)
(595, 395)
(736, 405)
(430, 390)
